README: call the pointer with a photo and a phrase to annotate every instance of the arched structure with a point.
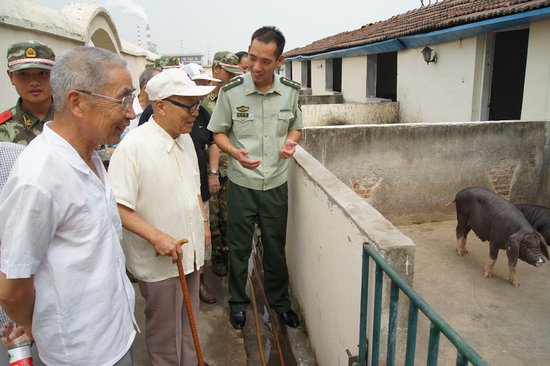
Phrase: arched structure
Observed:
(77, 24)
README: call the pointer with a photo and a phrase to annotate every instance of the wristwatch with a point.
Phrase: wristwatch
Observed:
(213, 171)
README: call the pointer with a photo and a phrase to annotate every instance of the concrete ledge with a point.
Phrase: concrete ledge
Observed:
(375, 112)
(322, 99)
(409, 172)
(326, 229)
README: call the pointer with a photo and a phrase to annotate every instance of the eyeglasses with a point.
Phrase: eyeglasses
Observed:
(125, 103)
(190, 108)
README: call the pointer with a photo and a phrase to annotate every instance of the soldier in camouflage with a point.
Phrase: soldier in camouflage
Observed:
(166, 62)
(29, 65)
(225, 66)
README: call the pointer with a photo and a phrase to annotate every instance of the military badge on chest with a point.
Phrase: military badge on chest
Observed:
(242, 111)
(27, 121)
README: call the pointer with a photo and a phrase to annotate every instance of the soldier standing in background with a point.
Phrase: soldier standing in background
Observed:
(29, 65)
(224, 67)
(204, 142)
(243, 60)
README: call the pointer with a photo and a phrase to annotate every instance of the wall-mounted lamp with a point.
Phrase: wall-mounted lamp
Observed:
(429, 55)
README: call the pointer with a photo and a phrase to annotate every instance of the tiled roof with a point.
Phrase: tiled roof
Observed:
(440, 15)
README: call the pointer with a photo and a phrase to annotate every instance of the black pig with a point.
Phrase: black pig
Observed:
(538, 217)
(495, 219)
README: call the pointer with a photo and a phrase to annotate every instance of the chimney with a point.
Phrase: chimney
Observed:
(148, 35)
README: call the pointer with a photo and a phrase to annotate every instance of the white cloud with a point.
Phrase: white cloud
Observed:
(129, 7)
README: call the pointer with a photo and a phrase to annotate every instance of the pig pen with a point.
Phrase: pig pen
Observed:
(506, 325)
(409, 172)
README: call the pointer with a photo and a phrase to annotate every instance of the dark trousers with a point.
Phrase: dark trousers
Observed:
(271, 208)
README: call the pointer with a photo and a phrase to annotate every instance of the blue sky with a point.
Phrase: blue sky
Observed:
(214, 25)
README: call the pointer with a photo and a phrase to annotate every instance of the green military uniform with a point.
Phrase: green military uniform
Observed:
(258, 122)
(218, 205)
(20, 126)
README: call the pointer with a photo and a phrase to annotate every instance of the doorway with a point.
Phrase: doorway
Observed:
(508, 79)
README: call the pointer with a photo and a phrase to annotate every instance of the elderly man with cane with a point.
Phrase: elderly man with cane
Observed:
(155, 176)
(63, 277)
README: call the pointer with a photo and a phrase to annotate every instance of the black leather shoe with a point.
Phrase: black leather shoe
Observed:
(291, 318)
(237, 319)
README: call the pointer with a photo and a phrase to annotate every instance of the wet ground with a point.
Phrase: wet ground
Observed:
(506, 325)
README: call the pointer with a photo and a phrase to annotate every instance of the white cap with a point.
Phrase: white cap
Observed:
(174, 82)
(197, 72)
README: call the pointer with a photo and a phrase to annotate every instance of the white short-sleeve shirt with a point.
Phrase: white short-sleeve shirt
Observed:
(157, 176)
(59, 223)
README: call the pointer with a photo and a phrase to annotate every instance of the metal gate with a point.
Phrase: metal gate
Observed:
(465, 353)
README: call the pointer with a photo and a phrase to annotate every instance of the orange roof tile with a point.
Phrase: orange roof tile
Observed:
(440, 15)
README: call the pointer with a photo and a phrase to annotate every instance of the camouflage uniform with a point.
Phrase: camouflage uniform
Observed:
(16, 124)
(164, 62)
(20, 126)
(218, 201)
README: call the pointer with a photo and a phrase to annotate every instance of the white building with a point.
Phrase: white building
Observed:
(492, 62)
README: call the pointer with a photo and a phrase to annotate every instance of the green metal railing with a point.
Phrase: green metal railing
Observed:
(465, 353)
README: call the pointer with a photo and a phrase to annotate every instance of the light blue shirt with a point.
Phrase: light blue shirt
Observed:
(258, 122)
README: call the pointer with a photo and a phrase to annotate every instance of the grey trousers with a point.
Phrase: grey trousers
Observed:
(168, 334)
(126, 360)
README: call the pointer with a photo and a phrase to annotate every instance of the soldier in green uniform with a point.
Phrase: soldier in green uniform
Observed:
(29, 65)
(257, 122)
(225, 66)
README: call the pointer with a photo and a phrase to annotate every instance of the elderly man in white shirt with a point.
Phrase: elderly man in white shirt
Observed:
(155, 177)
(63, 278)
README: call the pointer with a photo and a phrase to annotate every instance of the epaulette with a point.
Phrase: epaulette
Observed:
(291, 83)
(232, 83)
(6, 115)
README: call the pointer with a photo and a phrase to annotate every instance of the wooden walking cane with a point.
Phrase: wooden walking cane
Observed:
(188, 307)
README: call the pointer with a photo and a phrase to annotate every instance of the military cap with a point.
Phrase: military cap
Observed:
(30, 55)
(229, 61)
(167, 62)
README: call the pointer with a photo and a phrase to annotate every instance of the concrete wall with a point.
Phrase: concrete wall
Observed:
(297, 71)
(409, 172)
(318, 78)
(354, 79)
(350, 114)
(440, 92)
(327, 225)
(536, 95)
